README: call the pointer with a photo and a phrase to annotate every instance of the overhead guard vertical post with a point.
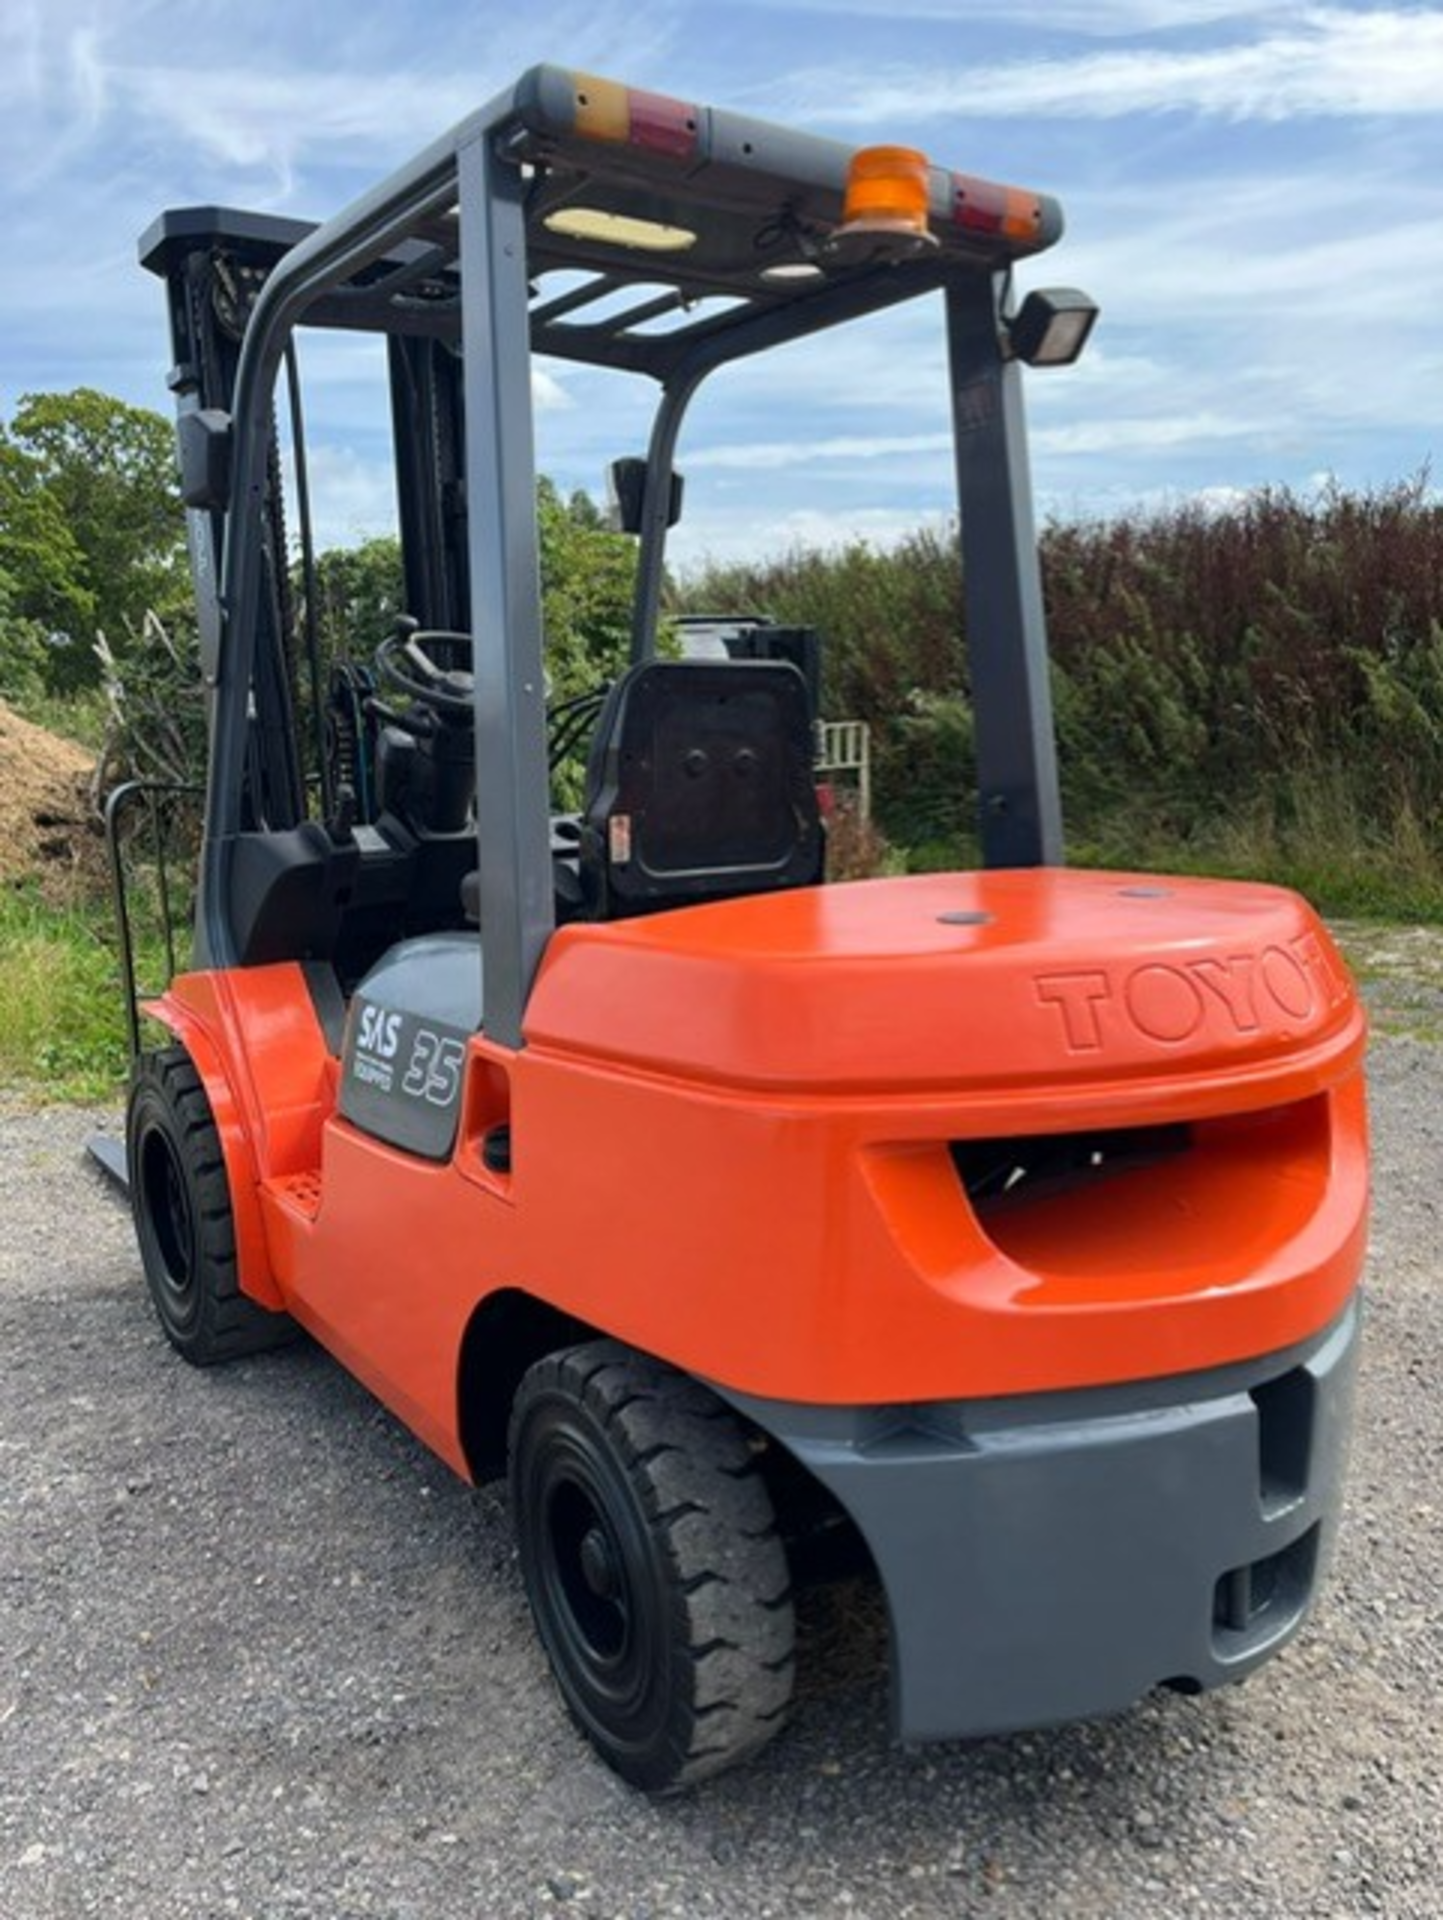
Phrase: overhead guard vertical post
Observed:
(656, 509)
(516, 898)
(1018, 796)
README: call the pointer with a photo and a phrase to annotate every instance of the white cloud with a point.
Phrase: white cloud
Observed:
(1099, 18)
(353, 496)
(73, 70)
(548, 394)
(1325, 62)
(719, 534)
(87, 75)
(1145, 433)
(769, 455)
(1268, 242)
(342, 366)
(21, 62)
(270, 120)
(1123, 502)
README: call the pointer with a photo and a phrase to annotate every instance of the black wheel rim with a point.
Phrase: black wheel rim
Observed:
(170, 1222)
(596, 1585)
(584, 1562)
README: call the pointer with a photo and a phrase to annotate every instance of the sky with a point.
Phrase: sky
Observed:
(1253, 194)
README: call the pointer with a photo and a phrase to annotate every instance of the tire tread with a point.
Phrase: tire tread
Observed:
(699, 1481)
(226, 1325)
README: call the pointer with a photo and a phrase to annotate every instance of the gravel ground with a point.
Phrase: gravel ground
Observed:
(261, 1655)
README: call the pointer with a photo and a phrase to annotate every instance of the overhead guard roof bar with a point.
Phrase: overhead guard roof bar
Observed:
(758, 196)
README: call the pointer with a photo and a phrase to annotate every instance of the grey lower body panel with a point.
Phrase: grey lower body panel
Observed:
(1055, 1557)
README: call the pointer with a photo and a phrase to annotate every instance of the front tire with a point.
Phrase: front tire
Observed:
(652, 1561)
(180, 1199)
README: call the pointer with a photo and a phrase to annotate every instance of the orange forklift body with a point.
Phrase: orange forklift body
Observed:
(786, 1220)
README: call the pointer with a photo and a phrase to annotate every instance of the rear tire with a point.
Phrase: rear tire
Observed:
(652, 1561)
(180, 1199)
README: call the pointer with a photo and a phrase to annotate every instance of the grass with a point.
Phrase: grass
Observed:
(1341, 883)
(1399, 971)
(82, 717)
(62, 1027)
(1312, 836)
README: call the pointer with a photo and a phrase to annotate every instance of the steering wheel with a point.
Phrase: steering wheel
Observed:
(429, 666)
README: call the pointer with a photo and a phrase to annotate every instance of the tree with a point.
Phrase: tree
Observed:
(587, 575)
(359, 592)
(586, 586)
(40, 557)
(92, 531)
(23, 649)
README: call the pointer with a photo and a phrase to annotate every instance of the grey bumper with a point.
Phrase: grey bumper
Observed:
(1054, 1557)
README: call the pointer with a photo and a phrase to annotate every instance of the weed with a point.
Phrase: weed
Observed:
(62, 1033)
(1257, 693)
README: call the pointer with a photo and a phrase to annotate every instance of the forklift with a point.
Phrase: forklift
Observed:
(998, 1231)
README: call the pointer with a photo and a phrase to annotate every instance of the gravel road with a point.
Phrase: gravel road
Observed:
(261, 1655)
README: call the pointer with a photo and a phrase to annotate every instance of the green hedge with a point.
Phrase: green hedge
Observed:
(1255, 690)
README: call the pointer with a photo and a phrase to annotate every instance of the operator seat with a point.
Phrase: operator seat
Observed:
(699, 786)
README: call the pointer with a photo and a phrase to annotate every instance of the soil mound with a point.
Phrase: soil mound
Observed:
(48, 828)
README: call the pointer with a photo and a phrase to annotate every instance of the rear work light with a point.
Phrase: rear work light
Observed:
(1050, 328)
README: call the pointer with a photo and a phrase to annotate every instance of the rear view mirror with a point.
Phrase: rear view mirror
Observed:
(204, 440)
(626, 492)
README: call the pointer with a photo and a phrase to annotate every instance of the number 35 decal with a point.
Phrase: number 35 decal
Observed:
(434, 1072)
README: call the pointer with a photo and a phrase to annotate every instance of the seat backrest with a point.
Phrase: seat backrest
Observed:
(700, 786)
